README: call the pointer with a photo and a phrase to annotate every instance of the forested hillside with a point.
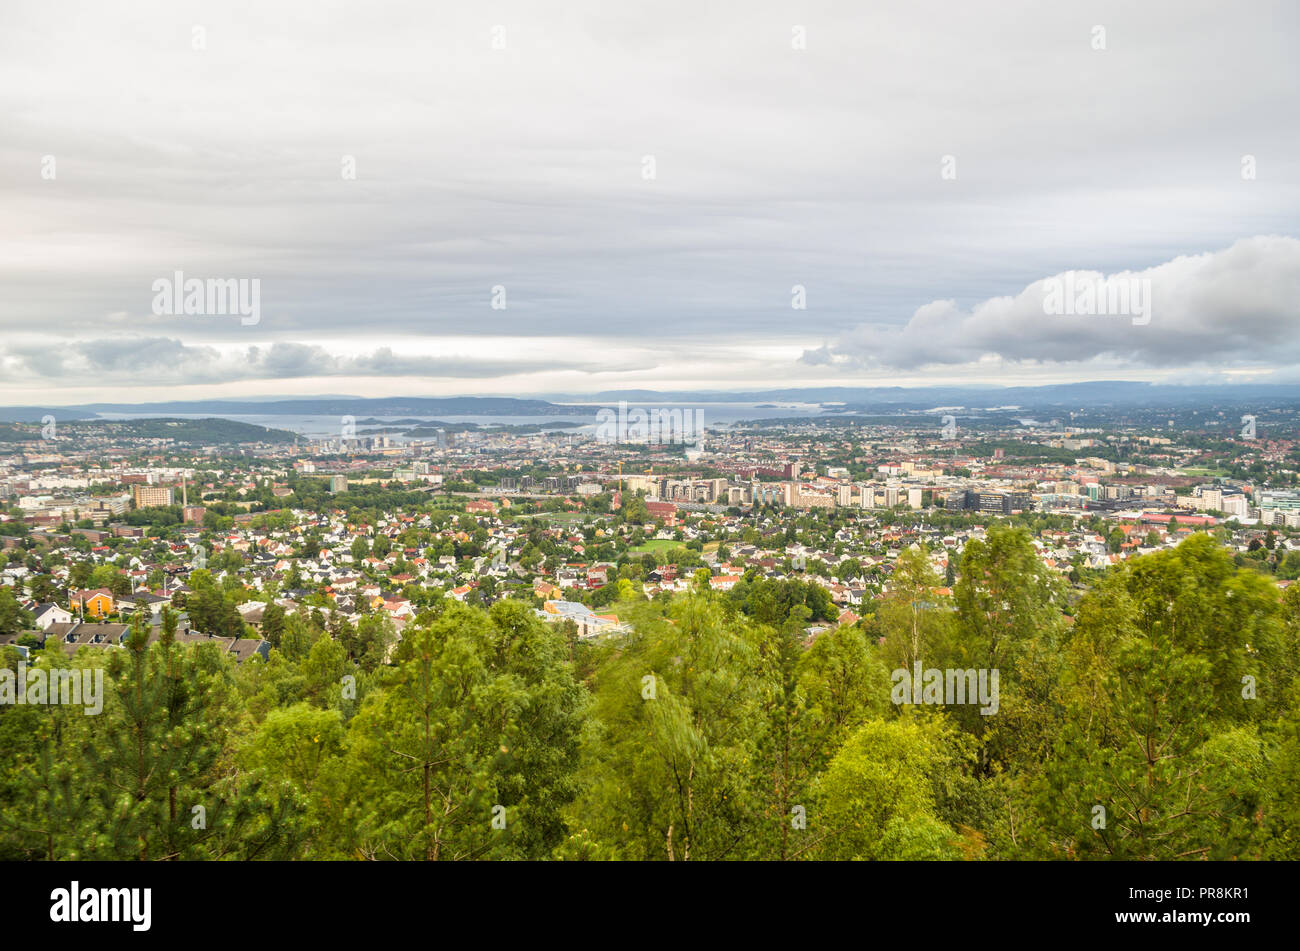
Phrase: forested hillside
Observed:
(1154, 716)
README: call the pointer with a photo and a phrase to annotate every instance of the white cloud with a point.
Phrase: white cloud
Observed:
(1236, 307)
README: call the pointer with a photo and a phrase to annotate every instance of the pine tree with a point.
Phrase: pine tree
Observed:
(152, 760)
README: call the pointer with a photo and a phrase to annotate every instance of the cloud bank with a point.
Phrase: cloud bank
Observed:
(1238, 307)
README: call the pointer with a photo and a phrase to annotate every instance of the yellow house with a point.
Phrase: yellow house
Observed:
(96, 603)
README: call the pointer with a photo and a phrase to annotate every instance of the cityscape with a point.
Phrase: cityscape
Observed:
(811, 559)
(844, 441)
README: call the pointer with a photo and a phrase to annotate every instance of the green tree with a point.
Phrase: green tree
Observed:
(154, 757)
(460, 756)
(1159, 757)
(876, 799)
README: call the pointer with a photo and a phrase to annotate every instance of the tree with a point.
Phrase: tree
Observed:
(844, 681)
(876, 799)
(1008, 620)
(848, 568)
(44, 787)
(273, 624)
(154, 758)
(462, 756)
(13, 618)
(1158, 757)
(912, 617)
(1006, 598)
(290, 752)
(676, 722)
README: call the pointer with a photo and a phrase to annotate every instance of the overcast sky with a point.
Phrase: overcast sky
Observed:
(648, 185)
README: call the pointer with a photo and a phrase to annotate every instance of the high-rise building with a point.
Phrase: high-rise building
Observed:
(151, 496)
(957, 501)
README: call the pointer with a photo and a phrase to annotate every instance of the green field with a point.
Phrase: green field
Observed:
(559, 519)
(656, 545)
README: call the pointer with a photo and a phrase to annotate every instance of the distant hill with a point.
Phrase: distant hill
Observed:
(868, 399)
(195, 432)
(309, 406)
(1095, 393)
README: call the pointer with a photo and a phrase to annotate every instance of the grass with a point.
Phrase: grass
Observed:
(565, 519)
(656, 545)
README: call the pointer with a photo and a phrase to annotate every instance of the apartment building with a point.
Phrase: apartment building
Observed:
(151, 496)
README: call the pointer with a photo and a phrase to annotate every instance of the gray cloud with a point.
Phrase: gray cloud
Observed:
(1235, 307)
(522, 167)
(169, 361)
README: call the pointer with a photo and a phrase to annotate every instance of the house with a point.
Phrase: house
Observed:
(47, 614)
(545, 590)
(398, 607)
(75, 635)
(245, 648)
(11, 640)
(588, 622)
(143, 599)
(92, 603)
(252, 612)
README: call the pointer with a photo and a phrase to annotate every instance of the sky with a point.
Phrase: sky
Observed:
(565, 197)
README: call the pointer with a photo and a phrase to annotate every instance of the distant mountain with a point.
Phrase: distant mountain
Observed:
(195, 432)
(1096, 394)
(1093, 394)
(313, 406)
